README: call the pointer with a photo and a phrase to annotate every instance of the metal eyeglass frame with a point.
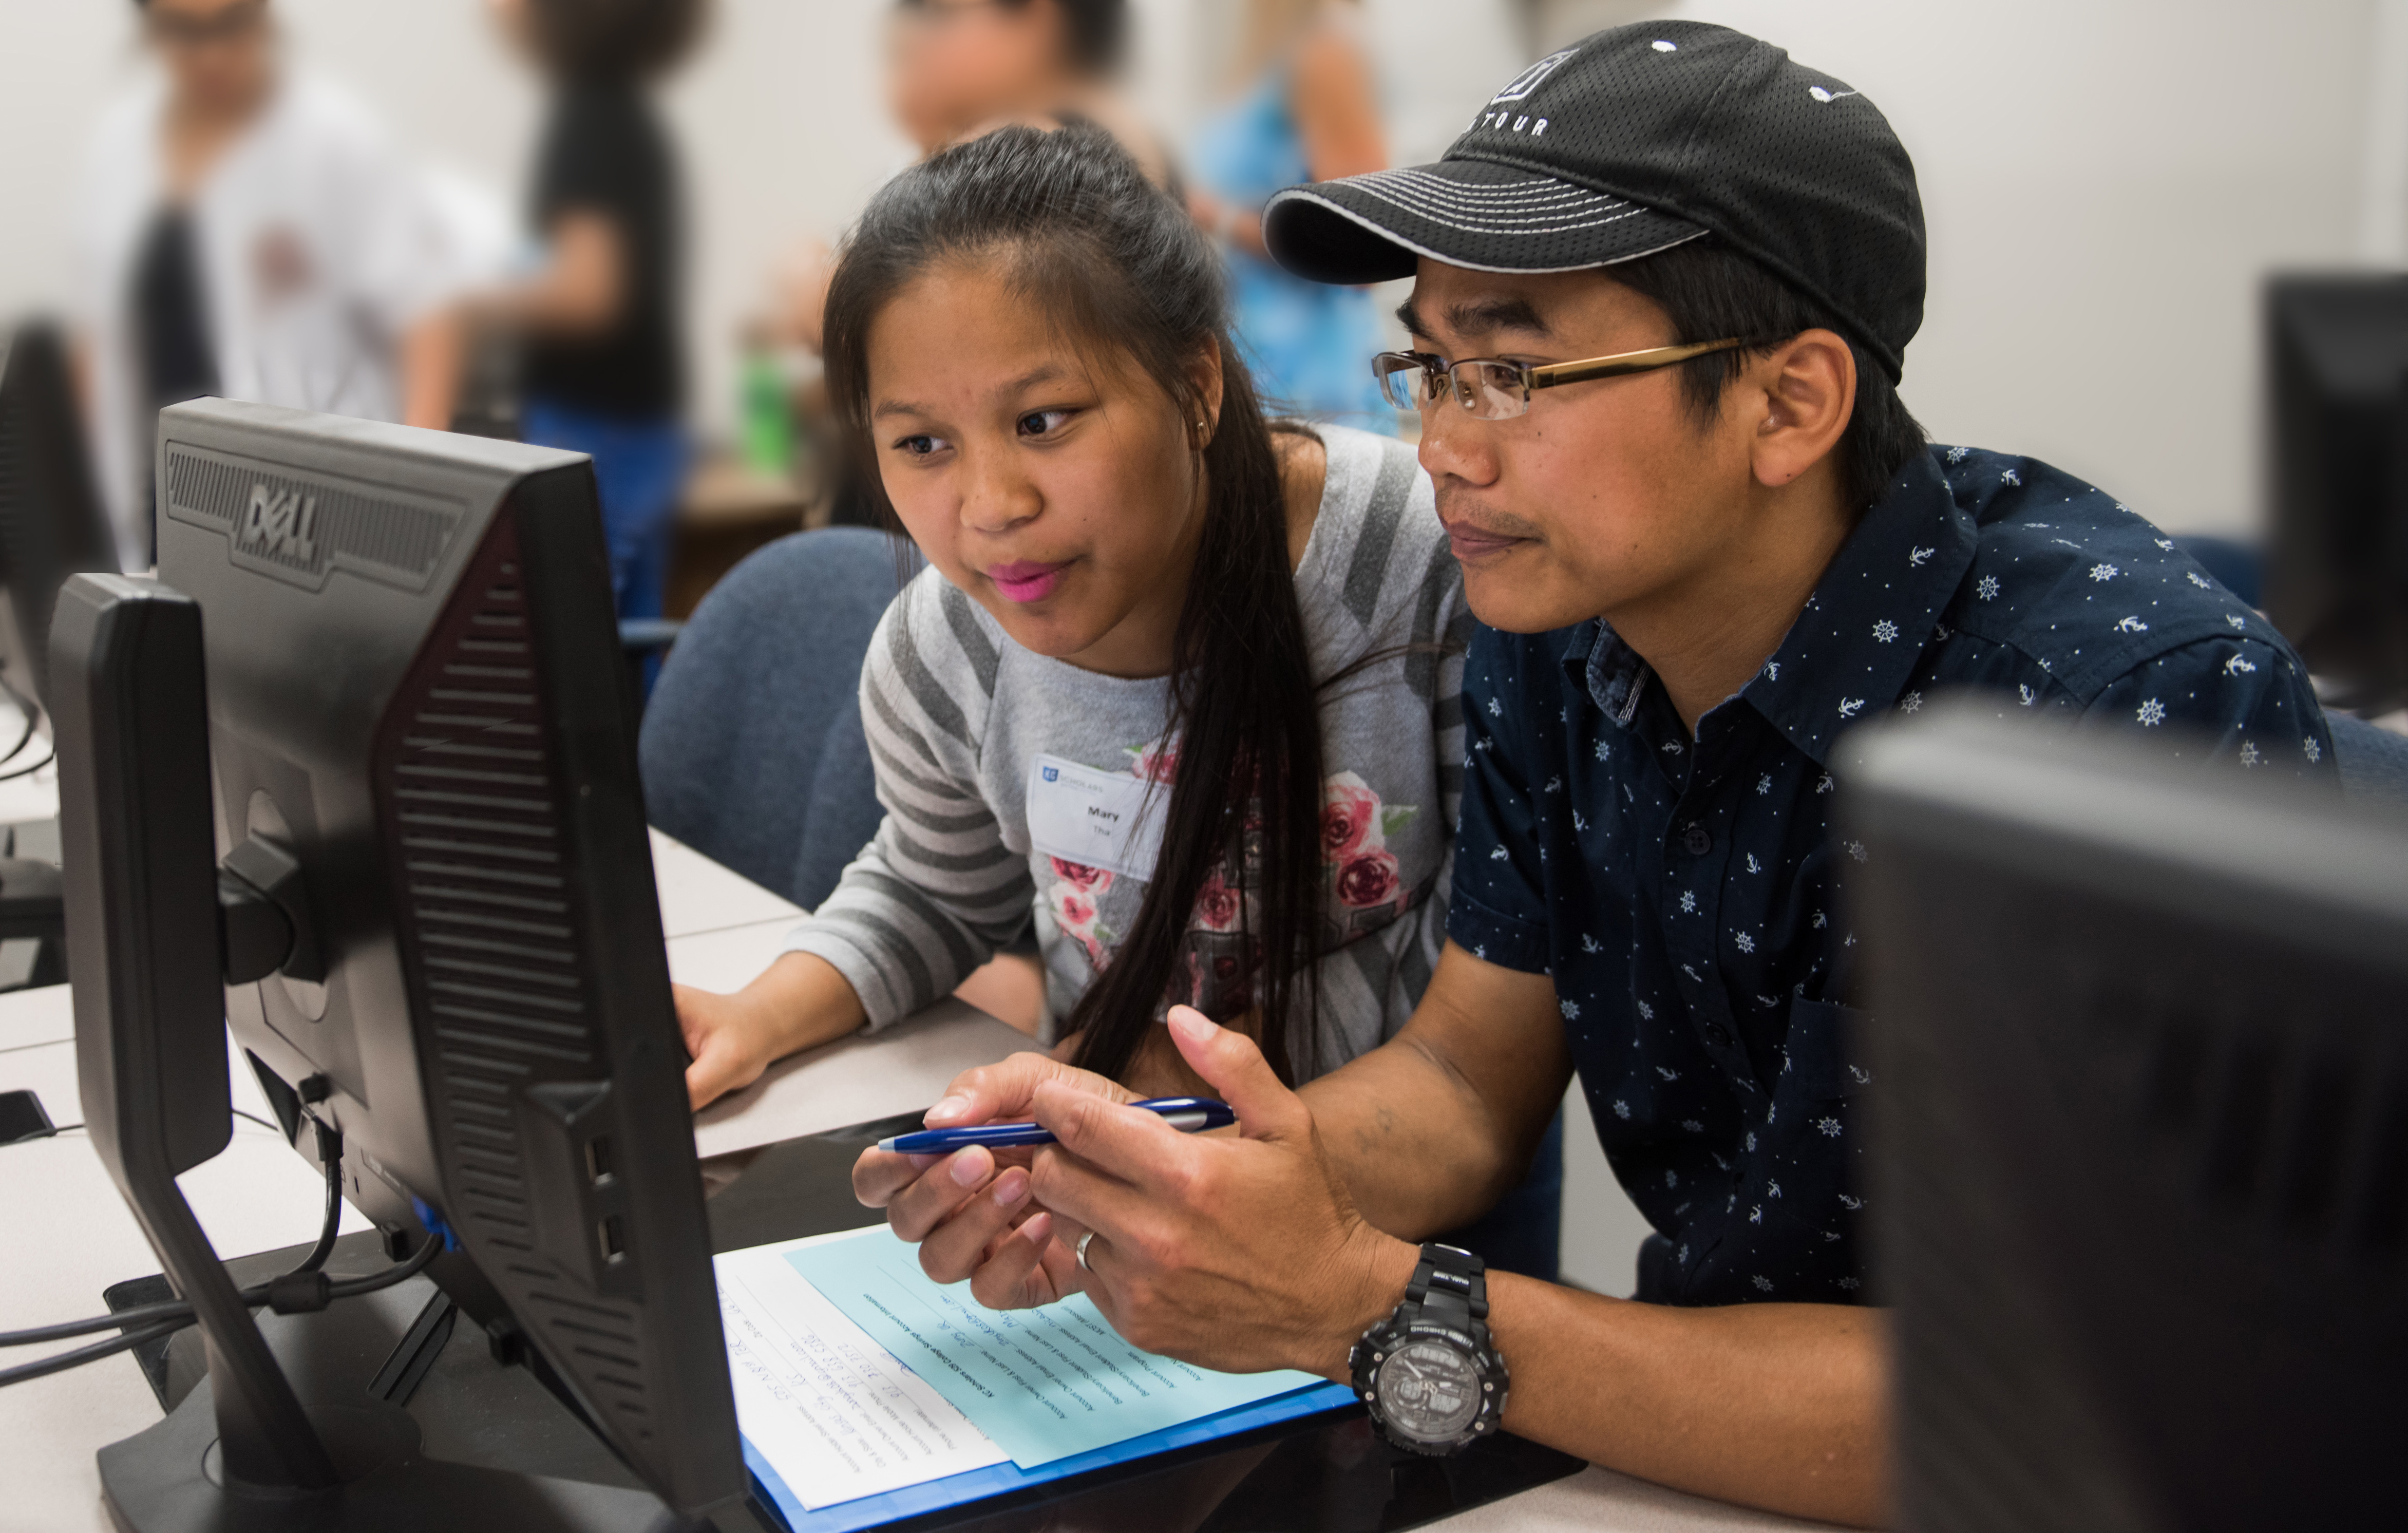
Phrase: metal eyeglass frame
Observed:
(1497, 381)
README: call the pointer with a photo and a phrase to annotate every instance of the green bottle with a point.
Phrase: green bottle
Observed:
(766, 423)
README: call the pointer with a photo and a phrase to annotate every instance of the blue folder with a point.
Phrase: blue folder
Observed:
(1000, 1479)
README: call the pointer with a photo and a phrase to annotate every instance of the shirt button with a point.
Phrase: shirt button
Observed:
(1718, 1035)
(1695, 841)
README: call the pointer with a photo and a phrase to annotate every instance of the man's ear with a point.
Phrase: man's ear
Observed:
(1802, 395)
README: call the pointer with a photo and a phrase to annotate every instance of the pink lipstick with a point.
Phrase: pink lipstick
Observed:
(1026, 581)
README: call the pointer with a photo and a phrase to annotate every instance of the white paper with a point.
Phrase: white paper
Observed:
(832, 1411)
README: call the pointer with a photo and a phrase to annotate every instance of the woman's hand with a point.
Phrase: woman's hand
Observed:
(727, 1038)
(799, 1003)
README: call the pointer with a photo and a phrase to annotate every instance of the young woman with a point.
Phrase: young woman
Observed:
(1182, 683)
(602, 370)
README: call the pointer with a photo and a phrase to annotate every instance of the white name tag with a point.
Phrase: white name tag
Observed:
(1099, 819)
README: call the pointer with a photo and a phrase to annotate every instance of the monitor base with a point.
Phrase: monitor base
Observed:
(169, 1479)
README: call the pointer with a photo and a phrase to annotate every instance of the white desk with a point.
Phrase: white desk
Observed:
(67, 1235)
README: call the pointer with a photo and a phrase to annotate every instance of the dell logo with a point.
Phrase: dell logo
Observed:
(283, 523)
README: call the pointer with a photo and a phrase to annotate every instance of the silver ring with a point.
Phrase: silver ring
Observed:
(1081, 1251)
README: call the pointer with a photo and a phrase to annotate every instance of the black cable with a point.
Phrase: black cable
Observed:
(28, 771)
(330, 1154)
(263, 1122)
(24, 705)
(61, 1362)
(176, 1313)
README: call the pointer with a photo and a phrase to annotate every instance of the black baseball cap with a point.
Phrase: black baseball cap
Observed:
(1630, 143)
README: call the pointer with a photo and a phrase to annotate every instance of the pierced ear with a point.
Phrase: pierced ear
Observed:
(1204, 391)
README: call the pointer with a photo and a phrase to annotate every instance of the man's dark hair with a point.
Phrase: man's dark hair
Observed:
(615, 40)
(1710, 291)
(1093, 32)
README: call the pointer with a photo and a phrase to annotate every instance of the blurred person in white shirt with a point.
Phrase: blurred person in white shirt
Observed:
(249, 231)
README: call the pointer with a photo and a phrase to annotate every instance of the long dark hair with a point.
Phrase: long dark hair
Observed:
(1081, 233)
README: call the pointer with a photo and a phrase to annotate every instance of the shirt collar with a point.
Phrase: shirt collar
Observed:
(1872, 615)
(1610, 671)
(1893, 576)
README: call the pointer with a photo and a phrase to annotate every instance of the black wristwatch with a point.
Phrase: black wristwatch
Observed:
(1434, 1380)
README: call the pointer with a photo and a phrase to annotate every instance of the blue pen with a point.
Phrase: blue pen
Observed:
(1187, 1114)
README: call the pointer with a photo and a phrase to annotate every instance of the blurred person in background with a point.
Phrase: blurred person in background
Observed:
(958, 66)
(962, 66)
(602, 367)
(1304, 108)
(249, 230)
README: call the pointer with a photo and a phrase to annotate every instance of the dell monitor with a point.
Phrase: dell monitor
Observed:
(2138, 1061)
(51, 525)
(2337, 478)
(357, 774)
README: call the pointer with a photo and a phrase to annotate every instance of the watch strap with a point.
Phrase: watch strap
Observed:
(1450, 1285)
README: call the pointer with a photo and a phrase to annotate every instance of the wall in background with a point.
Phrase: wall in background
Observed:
(2106, 181)
(2106, 184)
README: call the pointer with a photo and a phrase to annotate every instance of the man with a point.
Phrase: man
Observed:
(1698, 564)
(248, 229)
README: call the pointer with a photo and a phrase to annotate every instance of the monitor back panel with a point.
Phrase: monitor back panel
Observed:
(2143, 1146)
(415, 686)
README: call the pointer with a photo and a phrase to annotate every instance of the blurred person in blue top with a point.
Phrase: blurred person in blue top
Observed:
(602, 370)
(1305, 109)
(249, 230)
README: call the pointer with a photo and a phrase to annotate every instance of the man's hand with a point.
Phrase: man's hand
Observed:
(1239, 1254)
(970, 1211)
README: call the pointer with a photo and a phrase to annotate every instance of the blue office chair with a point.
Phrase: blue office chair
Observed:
(2373, 762)
(752, 747)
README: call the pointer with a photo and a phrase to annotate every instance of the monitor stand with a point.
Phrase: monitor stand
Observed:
(428, 1427)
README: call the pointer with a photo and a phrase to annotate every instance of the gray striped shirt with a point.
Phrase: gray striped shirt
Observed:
(956, 712)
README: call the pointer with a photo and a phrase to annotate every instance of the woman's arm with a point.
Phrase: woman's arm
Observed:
(431, 353)
(1337, 115)
(1332, 100)
(580, 288)
(927, 901)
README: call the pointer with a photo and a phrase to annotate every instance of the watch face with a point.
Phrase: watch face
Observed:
(1429, 1390)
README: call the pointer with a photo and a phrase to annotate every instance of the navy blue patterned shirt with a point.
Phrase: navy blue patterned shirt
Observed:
(1682, 892)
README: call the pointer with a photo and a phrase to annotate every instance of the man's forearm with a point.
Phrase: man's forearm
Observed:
(1433, 1127)
(1419, 1150)
(1780, 1406)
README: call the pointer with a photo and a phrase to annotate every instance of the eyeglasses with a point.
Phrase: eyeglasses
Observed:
(1493, 389)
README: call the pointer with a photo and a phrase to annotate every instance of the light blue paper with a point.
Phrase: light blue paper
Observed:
(1043, 1384)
